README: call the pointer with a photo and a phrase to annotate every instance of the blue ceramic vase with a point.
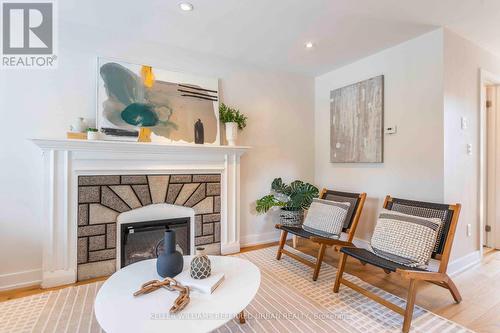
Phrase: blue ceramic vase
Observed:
(170, 261)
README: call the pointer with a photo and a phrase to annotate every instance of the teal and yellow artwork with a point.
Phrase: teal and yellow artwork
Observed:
(131, 97)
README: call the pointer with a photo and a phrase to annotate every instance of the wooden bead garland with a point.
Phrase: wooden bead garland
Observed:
(170, 284)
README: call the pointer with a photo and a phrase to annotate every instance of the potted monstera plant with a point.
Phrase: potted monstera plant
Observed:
(292, 200)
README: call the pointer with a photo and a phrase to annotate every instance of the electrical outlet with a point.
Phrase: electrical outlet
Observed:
(463, 123)
(469, 230)
(469, 149)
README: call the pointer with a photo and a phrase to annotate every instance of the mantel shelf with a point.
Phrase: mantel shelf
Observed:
(124, 146)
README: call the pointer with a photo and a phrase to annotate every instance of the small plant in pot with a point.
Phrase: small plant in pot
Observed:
(233, 120)
(292, 199)
(92, 133)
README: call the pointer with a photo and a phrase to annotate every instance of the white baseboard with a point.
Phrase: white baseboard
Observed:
(257, 239)
(230, 248)
(58, 278)
(463, 263)
(22, 279)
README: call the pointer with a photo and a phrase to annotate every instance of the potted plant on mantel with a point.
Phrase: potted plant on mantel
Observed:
(92, 133)
(233, 120)
(292, 199)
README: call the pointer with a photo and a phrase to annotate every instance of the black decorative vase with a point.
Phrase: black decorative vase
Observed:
(170, 261)
(199, 133)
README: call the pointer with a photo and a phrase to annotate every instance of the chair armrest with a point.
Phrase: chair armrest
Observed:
(330, 242)
(278, 226)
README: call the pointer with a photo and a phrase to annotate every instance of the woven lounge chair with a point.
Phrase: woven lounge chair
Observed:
(449, 217)
(356, 200)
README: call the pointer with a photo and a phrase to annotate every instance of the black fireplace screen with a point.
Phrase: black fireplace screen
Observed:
(144, 240)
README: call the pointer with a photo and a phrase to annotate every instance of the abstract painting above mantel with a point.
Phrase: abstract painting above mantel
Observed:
(356, 122)
(131, 97)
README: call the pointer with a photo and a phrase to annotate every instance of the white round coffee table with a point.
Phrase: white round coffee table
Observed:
(117, 310)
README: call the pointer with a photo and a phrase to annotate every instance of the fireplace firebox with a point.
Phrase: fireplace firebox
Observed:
(144, 240)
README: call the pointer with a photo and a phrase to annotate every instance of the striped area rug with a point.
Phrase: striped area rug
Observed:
(287, 301)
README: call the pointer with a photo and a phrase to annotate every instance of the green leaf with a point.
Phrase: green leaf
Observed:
(302, 195)
(298, 195)
(230, 115)
(278, 186)
(267, 202)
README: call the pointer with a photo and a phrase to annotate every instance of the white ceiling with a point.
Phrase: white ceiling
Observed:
(273, 33)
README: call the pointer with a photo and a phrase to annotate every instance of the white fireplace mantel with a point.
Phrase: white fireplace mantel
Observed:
(65, 159)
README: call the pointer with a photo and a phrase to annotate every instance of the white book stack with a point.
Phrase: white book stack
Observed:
(203, 286)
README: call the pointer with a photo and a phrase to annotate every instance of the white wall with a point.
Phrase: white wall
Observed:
(413, 158)
(37, 103)
(280, 130)
(430, 83)
(463, 60)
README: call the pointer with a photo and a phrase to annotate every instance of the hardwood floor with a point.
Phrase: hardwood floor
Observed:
(33, 290)
(479, 286)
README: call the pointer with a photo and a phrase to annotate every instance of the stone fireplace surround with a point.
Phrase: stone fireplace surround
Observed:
(102, 198)
(65, 160)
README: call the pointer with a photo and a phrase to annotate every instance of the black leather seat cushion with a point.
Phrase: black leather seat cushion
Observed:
(372, 259)
(299, 231)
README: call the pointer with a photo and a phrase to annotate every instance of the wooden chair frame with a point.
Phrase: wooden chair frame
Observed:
(322, 241)
(440, 278)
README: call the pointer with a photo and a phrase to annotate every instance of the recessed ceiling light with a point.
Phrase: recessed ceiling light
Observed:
(186, 6)
(309, 45)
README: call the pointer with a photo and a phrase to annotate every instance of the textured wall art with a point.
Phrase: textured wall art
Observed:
(131, 97)
(356, 122)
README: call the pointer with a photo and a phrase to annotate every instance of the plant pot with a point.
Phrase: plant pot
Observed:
(93, 135)
(170, 261)
(291, 217)
(231, 133)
